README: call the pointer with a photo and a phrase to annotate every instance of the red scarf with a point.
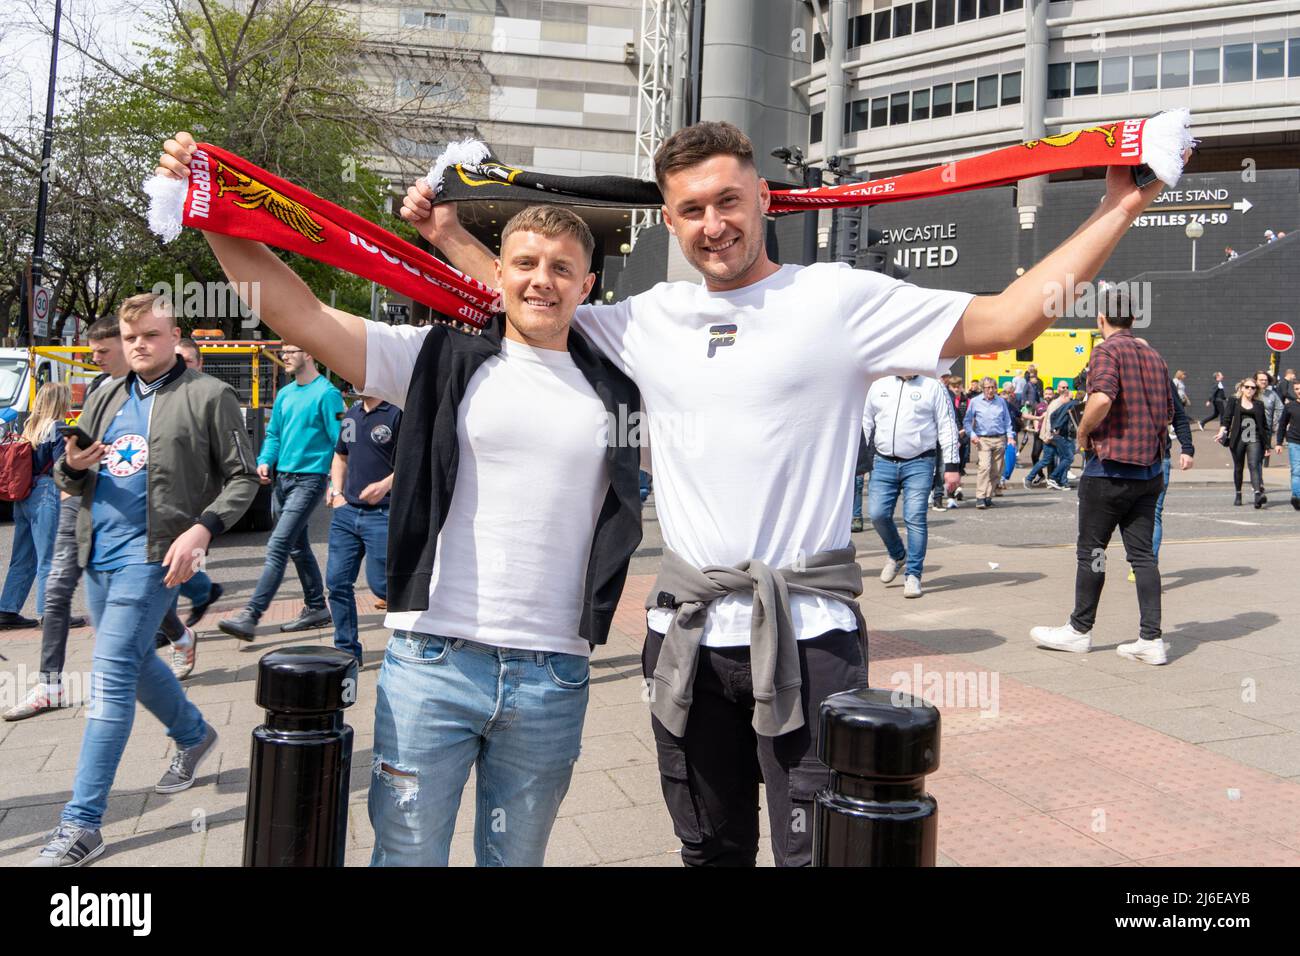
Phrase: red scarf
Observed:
(227, 194)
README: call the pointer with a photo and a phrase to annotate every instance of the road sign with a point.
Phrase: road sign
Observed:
(41, 311)
(399, 313)
(1279, 336)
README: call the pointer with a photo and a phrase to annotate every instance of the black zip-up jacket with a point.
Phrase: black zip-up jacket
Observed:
(1234, 415)
(1288, 425)
(428, 455)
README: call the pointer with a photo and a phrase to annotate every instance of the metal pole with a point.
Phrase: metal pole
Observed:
(43, 191)
(1193, 255)
(812, 177)
(1033, 94)
(695, 69)
(837, 45)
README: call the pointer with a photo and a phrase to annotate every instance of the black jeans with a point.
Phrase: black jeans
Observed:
(1217, 405)
(1104, 504)
(710, 777)
(1242, 453)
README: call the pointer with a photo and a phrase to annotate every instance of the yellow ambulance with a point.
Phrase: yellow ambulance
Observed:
(1058, 354)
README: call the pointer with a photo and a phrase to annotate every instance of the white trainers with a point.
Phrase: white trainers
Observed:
(952, 503)
(1053, 485)
(912, 586)
(1063, 638)
(39, 699)
(183, 655)
(1148, 652)
(891, 570)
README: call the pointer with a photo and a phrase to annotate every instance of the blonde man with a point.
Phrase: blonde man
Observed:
(169, 445)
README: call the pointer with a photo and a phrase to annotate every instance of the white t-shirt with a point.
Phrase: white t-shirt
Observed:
(511, 562)
(754, 402)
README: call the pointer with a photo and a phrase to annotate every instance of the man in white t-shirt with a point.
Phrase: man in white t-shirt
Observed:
(495, 599)
(754, 382)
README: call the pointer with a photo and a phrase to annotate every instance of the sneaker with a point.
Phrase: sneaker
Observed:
(1261, 500)
(198, 610)
(70, 845)
(980, 503)
(1070, 476)
(912, 586)
(1053, 485)
(1148, 652)
(39, 699)
(952, 503)
(937, 504)
(988, 502)
(11, 621)
(857, 525)
(891, 569)
(308, 619)
(959, 495)
(241, 625)
(183, 654)
(1063, 638)
(1029, 485)
(180, 775)
(1295, 502)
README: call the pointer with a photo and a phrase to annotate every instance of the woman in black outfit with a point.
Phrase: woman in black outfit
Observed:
(1245, 429)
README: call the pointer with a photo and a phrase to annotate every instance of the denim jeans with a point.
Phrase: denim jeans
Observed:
(197, 589)
(445, 705)
(1293, 450)
(355, 533)
(1046, 462)
(60, 584)
(1064, 459)
(645, 482)
(1160, 507)
(126, 607)
(292, 504)
(913, 479)
(36, 522)
(857, 497)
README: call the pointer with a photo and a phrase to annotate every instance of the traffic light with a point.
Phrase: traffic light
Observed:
(846, 233)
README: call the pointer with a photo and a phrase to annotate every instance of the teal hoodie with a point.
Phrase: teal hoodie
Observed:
(305, 421)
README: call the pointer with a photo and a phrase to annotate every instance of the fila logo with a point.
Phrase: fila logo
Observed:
(719, 336)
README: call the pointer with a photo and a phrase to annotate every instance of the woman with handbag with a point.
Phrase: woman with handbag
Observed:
(1245, 433)
(36, 515)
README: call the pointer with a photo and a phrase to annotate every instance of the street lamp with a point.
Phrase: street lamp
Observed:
(1194, 231)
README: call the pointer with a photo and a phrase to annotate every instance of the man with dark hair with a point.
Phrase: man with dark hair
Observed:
(1216, 402)
(188, 349)
(1288, 433)
(1125, 425)
(49, 694)
(758, 505)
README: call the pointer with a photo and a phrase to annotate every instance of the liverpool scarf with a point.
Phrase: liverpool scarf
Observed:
(466, 173)
(230, 195)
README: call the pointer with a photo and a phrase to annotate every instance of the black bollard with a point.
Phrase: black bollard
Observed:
(879, 746)
(301, 760)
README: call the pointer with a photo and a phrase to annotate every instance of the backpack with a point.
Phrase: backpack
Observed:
(15, 468)
(1063, 424)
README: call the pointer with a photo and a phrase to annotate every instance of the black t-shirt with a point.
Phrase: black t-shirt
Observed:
(368, 440)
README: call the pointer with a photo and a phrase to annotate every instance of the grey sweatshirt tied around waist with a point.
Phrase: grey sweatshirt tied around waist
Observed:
(774, 655)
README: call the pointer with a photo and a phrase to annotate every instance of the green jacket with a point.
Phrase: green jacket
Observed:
(201, 467)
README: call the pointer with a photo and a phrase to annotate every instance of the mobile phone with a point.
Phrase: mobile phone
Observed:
(84, 440)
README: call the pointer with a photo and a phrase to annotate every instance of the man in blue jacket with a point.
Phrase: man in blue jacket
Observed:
(299, 446)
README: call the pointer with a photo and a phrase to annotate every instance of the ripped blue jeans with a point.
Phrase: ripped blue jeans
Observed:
(445, 705)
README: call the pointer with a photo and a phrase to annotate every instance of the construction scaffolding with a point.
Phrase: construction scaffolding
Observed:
(659, 66)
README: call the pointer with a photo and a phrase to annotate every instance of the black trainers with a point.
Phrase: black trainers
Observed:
(241, 625)
(309, 618)
(1295, 502)
(198, 610)
(70, 845)
(856, 526)
(180, 775)
(11, 621)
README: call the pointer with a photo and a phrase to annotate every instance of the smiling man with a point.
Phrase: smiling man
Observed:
(771, 365)
(495, 598)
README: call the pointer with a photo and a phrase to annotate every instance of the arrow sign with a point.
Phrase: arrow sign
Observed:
(1279, 336)
(1242, 205)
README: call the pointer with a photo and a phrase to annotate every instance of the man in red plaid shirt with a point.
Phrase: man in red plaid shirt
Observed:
(1125, 427)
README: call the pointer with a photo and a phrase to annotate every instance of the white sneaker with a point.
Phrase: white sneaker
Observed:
(1053, 485)
(1063, 638)
(952, 503)
(1071, 476)
(912, 586)
(183, 655)
(891, 570)
(1148, 652)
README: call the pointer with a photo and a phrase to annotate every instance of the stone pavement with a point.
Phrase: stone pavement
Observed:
(1047, 758)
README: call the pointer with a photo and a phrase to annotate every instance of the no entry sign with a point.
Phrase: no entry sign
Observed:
(1279, 336)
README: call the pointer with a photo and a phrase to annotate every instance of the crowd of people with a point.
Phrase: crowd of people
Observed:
(496, 600)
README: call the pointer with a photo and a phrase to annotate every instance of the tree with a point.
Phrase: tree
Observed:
(275, 81)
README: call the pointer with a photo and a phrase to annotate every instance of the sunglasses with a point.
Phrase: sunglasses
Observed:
(1249, 388)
